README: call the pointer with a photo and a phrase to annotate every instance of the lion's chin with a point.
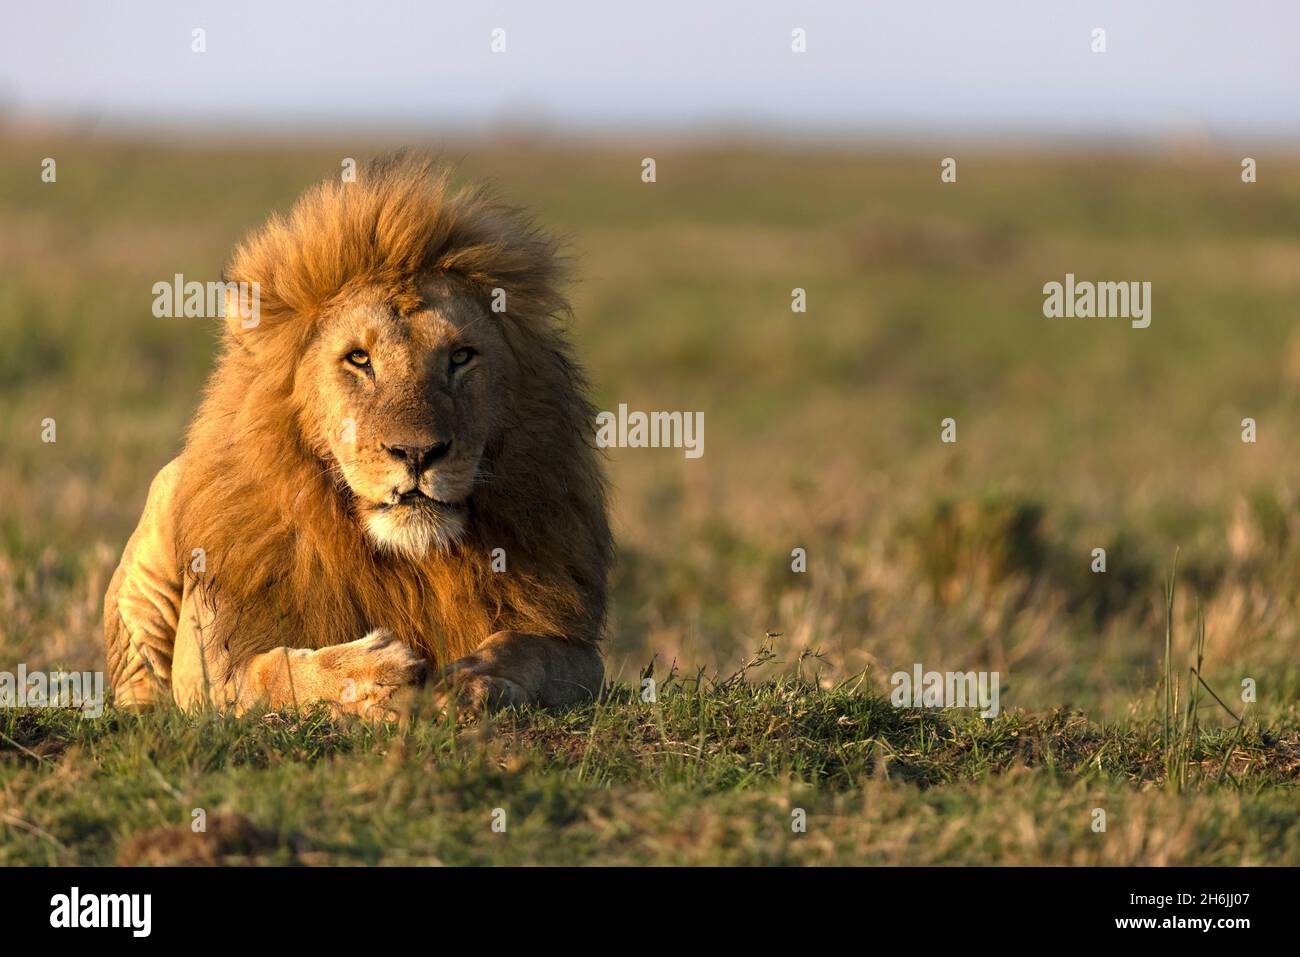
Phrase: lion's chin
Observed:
(414, 530)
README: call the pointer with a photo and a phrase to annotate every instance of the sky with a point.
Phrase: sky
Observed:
(1189, 68)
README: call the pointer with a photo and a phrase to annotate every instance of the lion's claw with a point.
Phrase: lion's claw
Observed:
(469, 686)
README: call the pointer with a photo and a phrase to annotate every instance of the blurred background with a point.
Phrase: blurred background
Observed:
(775, 169)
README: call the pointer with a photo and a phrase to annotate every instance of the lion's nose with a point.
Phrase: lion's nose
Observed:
(419, 457)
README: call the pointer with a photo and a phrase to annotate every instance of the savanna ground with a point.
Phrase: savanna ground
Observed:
(821, 432)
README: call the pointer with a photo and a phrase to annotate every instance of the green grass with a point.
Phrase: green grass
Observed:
(710, 773)
(924, 301)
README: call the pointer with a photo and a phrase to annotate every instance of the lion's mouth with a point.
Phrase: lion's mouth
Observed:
(412, 523)
(414, 498)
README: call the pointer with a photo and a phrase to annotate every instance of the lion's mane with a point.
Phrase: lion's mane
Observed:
(287, 563)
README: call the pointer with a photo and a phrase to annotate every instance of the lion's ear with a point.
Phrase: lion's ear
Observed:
(243, 311)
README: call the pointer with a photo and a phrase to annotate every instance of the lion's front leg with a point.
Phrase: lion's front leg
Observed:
(363, 677)
(513, 668)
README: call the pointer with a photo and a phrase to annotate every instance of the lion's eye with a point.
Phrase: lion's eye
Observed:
(359, 358)
(461, 356)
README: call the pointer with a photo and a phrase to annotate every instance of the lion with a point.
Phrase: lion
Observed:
(392, 474)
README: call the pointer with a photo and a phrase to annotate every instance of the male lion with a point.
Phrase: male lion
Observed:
(392, 468)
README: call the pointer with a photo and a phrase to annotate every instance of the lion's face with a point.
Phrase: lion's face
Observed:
(401, 407)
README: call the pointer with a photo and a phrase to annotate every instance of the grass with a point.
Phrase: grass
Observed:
(712, 772)
(1182, 731)
(822, 433)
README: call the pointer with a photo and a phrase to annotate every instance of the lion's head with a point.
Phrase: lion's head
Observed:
(398, 437)
(403, 403)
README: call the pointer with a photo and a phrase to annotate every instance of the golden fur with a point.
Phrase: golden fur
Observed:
(288, 562)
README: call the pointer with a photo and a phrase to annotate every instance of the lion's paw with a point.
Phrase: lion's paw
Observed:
(471, 686)
(370, 674)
